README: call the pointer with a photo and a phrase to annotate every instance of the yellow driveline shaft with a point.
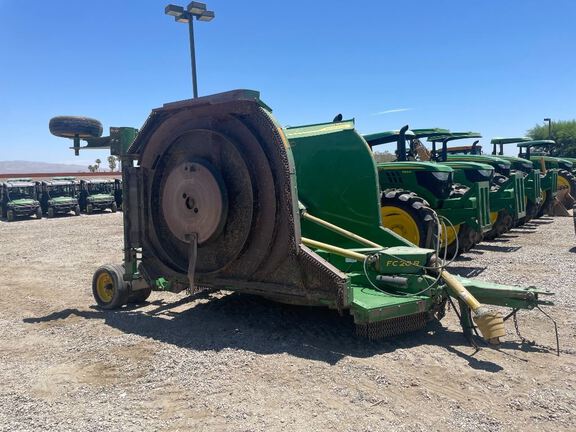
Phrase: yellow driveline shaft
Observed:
(340, 231)
(334, 249)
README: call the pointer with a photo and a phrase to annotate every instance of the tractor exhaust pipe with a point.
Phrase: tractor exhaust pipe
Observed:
(401, 144)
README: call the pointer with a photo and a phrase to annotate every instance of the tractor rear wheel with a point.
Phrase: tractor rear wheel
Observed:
(566, 180)
(109, 288)
(409, 216)
(502, 222)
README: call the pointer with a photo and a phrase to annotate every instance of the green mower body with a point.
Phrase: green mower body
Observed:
(19, 199)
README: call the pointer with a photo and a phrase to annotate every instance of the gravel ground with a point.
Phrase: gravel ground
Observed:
(232, 362)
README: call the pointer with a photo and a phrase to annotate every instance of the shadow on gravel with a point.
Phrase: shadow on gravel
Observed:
(496, 248)
(541, 221)
(254, 324)
(467, 272)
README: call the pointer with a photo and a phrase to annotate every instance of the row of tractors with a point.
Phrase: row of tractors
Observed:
(23, 197)
(458, 196)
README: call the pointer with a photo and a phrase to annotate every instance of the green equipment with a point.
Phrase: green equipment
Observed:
(507, 187)
(463, 208)
(97, 194)
(220, 199)
(536, 152)
(18, 199)
(58, 196)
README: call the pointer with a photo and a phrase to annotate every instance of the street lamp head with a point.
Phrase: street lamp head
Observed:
(184, 18)
(206, 16)
(173, 10)
(196, 8)
(547, 119)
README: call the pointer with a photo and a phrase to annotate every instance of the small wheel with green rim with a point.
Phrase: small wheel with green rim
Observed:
(109, 288)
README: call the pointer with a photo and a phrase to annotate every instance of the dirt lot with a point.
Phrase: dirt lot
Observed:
(232, 362)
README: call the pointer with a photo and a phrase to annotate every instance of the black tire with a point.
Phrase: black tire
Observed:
(419, 210)
(114, 207)
(545, 206)
(50, 212)
(39, 213)
(71, 126)
(569, 177)
(139, 296)
(468, 237)
(77, 210)
(10, 215)
(108, 280)
(504, 222)
(89, 209)
(574, 217)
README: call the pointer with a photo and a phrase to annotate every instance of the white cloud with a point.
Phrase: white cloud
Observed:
(394, 110)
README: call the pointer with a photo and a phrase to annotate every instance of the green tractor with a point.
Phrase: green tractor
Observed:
(536, 151)
(463, 210)
(535, 197)
(18, 199)
(97, 194)
(507, 187)
(221, 197)
(58, 196)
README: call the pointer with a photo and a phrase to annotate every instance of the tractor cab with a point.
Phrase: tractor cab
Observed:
(97, 194)
(537, 151)
(58, 196)
(18, 198)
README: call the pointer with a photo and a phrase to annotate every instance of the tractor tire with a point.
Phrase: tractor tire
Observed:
(50, 212)
(77, 210)
(545, 206)
(114, 207)
(39, 213)
(139, 296)
(10, 215)
(504, 223)
(409, 216)
(109, 288)
(71, 126)
(467, 238)
(89, 209)
(567, 179)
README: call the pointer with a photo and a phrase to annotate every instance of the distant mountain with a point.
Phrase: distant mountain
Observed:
(29, 167)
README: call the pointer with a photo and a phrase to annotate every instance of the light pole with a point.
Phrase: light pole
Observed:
(193, 10)
(549, 127)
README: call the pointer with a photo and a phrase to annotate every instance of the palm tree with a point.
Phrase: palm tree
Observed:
(97, 166)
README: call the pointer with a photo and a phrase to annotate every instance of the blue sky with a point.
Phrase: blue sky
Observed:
(497, 67)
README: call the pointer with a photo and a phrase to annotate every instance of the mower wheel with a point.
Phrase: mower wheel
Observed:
(409, 216)
(39, 213)
(89, 209)
(10, 215)
(109, 288)
(77, 210)
(50, 212)
(139, 296)
(71, 126)
(114, 207)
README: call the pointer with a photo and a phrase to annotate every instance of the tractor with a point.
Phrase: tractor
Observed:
(507, 188)
(58, 196)
(462, 211)
(219, 196)
(18, 199)
(536, 151)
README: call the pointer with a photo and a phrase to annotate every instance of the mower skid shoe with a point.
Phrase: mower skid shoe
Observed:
(506, 295)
